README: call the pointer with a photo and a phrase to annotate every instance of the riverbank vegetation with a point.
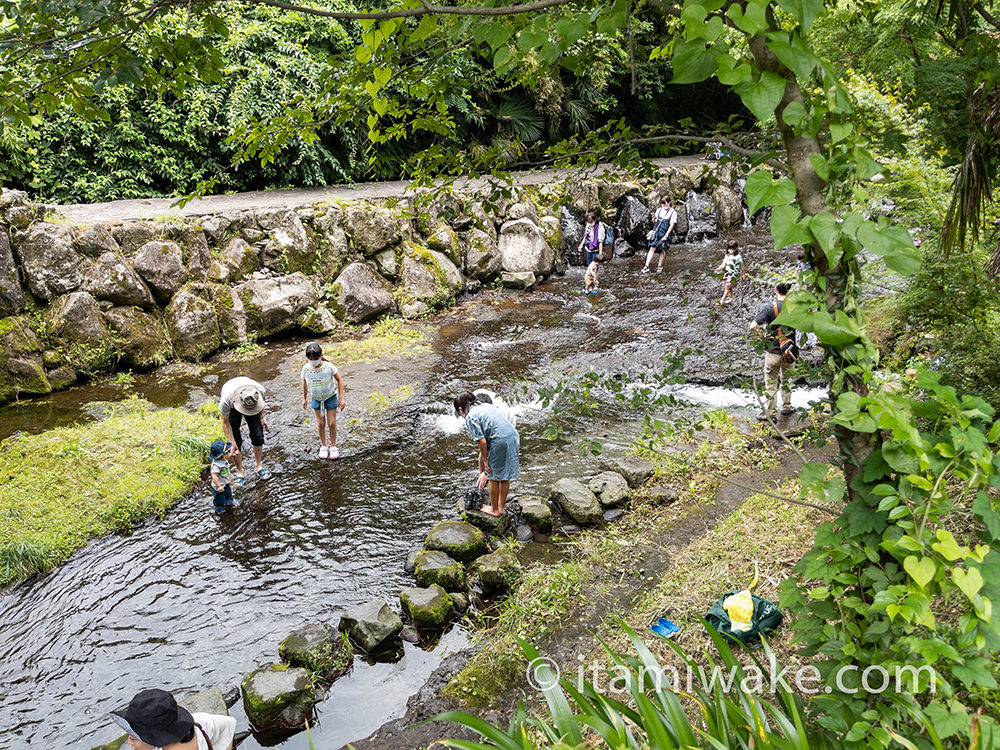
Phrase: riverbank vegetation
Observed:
(65, 486)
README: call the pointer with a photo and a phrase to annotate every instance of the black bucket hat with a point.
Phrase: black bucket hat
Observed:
(155, 718)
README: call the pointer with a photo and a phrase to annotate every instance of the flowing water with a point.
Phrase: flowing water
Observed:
(195, 601)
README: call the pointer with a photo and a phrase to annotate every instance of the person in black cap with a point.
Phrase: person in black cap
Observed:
(154, 720)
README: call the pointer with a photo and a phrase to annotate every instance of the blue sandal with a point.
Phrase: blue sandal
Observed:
(665, 628)
(263, 473)
(239, 481)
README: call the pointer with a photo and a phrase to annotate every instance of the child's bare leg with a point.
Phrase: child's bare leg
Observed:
(331, 421)
(321, 425)
(238, 460)
(504, 489)
(493, 509)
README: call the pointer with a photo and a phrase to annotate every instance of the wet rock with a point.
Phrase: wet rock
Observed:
(385, 262)
(611, 489)
(359, 294)
(371, 228)
(613, 514)
(11, 295)
(682, 227)
(459, 540)
(493, 525)
(429, 607)
(461, 601)
(728, 209)
(319, 320)
(428, 276)
(523, 210)
(145, 343)
(161, 264)
(576, 501)
(215, 227)
(410, 634)
(482, 220)
(372, 624)
(662, 495)
(206, 702)
(523, 248)
(319, 649)
(519, 280)
(553, 235)
(497, 571)
(21, 369)
(680, 184)
(113, 279)
(523, 533)
(96, 240)
(634, 221)
(482, 257)
(194, 247)
(568, 529)
(61, 377)
(414, 310)
(411, 561)
(48, 261)
(77, 318)
(444, 240)
(276, 305)
(278, 697)
(536, 511)
(571, 229)
(701, 217)
(287, 248)
(193, 326)
(436, 567)
(635, 470)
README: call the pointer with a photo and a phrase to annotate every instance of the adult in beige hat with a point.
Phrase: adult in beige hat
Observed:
(243, 398)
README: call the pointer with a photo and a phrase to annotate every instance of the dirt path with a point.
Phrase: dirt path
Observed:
(151, 208)
(607, 593)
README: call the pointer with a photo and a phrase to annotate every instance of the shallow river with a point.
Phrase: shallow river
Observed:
(195, 601)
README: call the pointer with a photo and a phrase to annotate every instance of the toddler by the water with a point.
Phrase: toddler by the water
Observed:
(321, 382)
(222, 486)
(590, 278)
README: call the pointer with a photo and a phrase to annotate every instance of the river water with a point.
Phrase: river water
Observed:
(195, 601)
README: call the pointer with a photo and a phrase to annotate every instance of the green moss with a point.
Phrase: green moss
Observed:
(61, 488)
(324, 661)
(437, 567)
(388, 338)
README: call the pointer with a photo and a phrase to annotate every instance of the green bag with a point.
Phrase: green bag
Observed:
(766, 617)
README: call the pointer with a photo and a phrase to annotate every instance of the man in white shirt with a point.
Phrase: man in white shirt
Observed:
(243, 398)
(154, 720)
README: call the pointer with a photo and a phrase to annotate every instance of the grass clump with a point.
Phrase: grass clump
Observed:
(61, 488)
(389, 337)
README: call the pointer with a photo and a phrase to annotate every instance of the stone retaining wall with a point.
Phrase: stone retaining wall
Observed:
(80, 300)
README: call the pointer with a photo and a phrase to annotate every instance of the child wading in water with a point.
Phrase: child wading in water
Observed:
(590, 278)
(222, 487)
(499, 448)
(731, 268)
(322, 383)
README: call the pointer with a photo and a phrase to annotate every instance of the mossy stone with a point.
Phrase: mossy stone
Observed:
(428, 607)
(433, 566)
(278, 697)
(492, 525)
(459, 540)
(497, 571)
(320, 649)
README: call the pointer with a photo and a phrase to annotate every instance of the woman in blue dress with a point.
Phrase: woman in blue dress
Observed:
(499, 445)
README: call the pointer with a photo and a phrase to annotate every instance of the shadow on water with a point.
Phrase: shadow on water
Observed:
(195, 601)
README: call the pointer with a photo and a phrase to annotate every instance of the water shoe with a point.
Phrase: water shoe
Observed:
(263, 473)
(334, 452)
(239, 481)
(324, 452)
(665, 623)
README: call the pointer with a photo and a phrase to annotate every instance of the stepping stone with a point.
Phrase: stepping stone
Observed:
(635, 470)
(459, 540)
(436, 567)
(371, 624)
(278, 697)
(497, 571)
(319, 649)
(536, 511)
(576, 501)
(492, 525)
(429, 607)
(610, 487)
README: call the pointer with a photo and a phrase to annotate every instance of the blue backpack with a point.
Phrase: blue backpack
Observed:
(609, 234)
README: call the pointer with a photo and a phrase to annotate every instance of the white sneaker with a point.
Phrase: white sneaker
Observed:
(324, 452)
(334, 453)
(644, 270)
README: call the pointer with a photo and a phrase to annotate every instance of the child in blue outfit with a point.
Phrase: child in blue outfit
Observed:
(499, 448)
(222, 487)
(322, 384)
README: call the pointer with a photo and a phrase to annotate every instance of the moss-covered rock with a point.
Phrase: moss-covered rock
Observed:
(371, 625)
(320, 649)
(444, 240)
(278, 697)
(635, 470)
(429, 607)
(360, 294)
(143, 337)
(498, 571)
(48, 259)
(492, 525)
(21, 364)
(371, 228)
(482, 256)
(433, 566)
(193, 326)
(459, 540)
(428, 276)
(161, 264)
(11, 295)
(461, 601)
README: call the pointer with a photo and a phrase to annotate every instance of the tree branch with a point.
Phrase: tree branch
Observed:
(425, 10)
(986, 15)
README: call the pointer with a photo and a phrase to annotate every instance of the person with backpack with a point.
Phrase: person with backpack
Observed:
(780, 354)
(593, 238)
(660, 235)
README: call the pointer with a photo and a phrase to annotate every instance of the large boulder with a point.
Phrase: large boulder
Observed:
(11, 295)
(111, 278)
(576, 501)
(17, 211)
(635, 470)
(518, 279)
(536, 511)
(728, 208)
(215, 227)
(489, 524)
(634, 221)
(611, 192)
(278, 697)
(96, 240)
(497, 571)
(276, 305)
(523, 210)
(194, 248)
(428, 276)
(209, 701)
(610, 487)
(161, 264)
(371, 228)
(459, 540)
(359, 294)
(444, 240)
(433, 566)
(385, 262)
(371, 625)
(193, 326)
(234, 262)
(319, 649)
(287, 248)
(523, 248)
(429, 607)
(21, 367)
(145, 343)
(571, 229)
(553, 235)
(482, 256)
(76, 318)
(319, 319)
(48, 261)
(481, 220)
(582, 195)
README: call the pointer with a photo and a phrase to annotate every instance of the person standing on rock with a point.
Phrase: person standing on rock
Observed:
(780, 354)
(499, 448)
(660, 235)
(243, 398)
(154, 720)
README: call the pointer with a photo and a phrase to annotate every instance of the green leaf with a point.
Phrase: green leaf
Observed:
(821, 165)
(795, 54)
(840, 130)
(892, 243)
(970, 581)
(805, 10)
(427, 27)
(731, 71)
(693, 62)
(975, 671)
(787, 229)
(983, 508)
(947, 721)
(763, 96)
(825, 229)
(762, 191)
(947, 547)
(812, 473)
(751, 20)
(794, 113)
(921, 570)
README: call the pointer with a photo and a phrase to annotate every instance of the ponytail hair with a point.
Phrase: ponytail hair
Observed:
(463, 401)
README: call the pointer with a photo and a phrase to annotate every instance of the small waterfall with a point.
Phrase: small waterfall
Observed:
(701, 217)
